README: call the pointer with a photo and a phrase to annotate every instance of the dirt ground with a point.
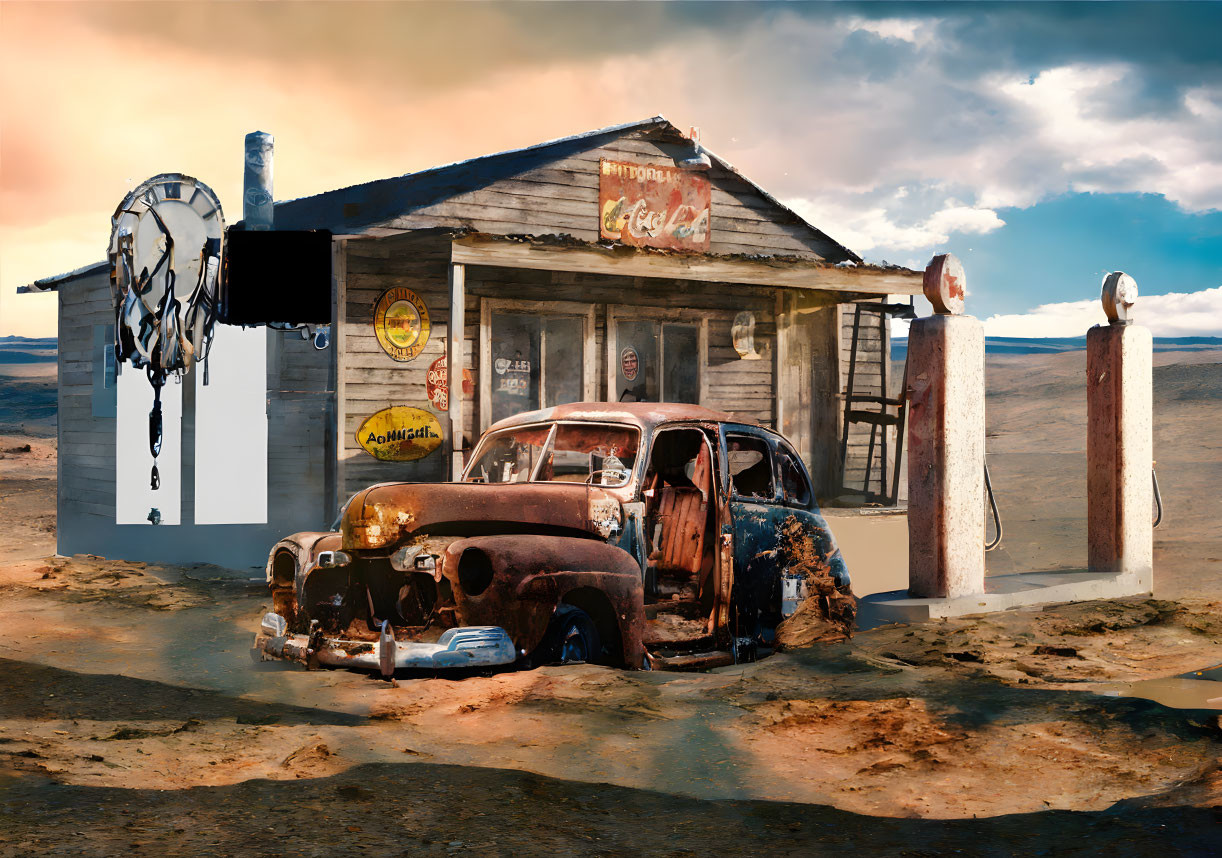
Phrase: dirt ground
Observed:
(132, 722)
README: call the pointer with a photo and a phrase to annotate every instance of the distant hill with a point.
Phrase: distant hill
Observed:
(27, 350)
(1054, 345)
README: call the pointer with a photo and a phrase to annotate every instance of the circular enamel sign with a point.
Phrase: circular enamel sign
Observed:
(945, 284)
(437, 384)
(629, 363)
(401, 322)
(399, 434)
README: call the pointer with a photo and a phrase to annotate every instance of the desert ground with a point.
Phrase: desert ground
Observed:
(133, 722)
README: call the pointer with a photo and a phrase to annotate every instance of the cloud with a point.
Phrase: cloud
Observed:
(875, 228)
(1175, 314)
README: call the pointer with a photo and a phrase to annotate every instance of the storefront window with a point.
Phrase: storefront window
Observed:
(636, 368)
(516, 341)
(649, 371)
(537, 362)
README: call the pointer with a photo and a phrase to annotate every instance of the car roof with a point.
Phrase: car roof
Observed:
(646, 416)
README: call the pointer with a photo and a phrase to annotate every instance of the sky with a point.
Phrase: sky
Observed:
(1044, 144)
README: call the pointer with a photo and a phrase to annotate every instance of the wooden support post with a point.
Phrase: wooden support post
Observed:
(455, 362)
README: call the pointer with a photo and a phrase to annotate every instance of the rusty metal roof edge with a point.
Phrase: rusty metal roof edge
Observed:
(52, 283)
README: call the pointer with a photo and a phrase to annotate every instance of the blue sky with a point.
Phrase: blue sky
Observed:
(1044, 143)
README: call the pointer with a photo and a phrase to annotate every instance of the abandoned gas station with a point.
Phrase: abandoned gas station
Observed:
(625, 264)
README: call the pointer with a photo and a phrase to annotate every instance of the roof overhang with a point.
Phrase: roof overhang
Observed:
(566, 254)
(52, 284)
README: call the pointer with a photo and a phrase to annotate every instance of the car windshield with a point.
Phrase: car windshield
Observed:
(599, 454)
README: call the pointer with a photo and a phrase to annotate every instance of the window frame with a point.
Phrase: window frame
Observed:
(782, 445)
(542, 310)
(634, 472)
(661, 316)
(769, 443)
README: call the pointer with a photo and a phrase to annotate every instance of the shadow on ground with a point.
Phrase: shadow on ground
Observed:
(423, 809)
(68, 695)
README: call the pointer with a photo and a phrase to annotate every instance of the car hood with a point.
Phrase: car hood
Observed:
(380, 516)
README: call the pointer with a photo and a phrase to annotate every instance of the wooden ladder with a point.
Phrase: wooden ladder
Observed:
(879, 417)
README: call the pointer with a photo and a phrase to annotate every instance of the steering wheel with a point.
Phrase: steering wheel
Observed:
(619, 474)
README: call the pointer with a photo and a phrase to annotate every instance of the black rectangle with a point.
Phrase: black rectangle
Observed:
(276, 276)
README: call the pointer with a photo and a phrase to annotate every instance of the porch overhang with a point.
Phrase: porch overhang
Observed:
(564, 254)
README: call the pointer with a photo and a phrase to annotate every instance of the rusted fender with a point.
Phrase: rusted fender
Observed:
(517, 581)
(382, 515)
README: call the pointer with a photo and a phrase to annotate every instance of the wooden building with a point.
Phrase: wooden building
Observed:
(502, 265)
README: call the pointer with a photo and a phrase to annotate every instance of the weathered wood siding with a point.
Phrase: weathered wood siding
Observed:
(301, 442)
(562, 198)
(86, 463)
(370, 379)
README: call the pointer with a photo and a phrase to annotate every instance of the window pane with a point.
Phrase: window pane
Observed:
(563, 360)
(795, 491)
(681, 378)
(601, 454)
(515, 364)
(636, 368)
(750, 467)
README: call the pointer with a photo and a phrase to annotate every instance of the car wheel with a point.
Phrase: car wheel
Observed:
(573, 637)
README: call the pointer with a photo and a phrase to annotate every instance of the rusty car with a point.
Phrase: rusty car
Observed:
(641, 535)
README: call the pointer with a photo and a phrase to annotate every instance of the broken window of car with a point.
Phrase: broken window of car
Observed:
(749, 462)
(597, 454)
(795, 490)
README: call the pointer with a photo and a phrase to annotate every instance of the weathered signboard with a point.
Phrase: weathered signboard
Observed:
(437, 384)
(399, 434)
(401, 323)
(649, 205)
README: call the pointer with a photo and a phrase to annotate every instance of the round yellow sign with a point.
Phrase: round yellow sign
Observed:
(399, 434)
(401, 322)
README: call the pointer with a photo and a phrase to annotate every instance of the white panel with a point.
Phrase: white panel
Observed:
(231, 429)
(133, 497)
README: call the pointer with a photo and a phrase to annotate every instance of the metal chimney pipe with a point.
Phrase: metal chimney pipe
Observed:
(257, 209)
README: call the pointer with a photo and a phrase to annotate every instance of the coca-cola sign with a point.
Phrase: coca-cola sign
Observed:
(650, 205)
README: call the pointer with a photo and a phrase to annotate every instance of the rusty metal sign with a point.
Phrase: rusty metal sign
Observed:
(437, 384)
(399, 434)
(401, 323)
(650, 205)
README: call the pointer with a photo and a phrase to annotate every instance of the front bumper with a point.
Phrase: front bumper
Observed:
(468, 646)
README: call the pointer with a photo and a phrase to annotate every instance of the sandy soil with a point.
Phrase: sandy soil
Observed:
(133, 722)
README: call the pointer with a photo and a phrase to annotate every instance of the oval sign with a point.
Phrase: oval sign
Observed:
(399, 434)
(437, 384)
(401, 323)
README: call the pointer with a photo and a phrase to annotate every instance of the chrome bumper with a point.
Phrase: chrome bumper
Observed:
(468, 646)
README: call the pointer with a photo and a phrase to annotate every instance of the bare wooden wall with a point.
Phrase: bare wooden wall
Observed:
(86, 464)
(368, 378)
